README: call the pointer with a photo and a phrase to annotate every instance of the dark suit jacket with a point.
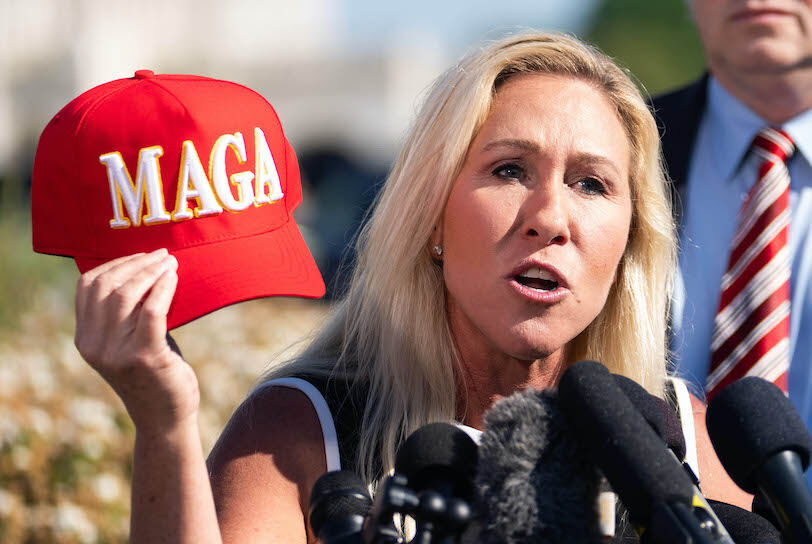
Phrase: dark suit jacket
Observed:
(678, 114)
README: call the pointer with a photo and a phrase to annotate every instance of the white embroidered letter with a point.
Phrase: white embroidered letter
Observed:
(220, 179)
(147, 187)
(193, 183)
(265, 169)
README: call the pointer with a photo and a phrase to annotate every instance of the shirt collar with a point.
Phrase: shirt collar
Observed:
(800, 130)
(733, 127)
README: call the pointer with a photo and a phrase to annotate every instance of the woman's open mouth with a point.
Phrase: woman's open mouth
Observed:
(538, 279)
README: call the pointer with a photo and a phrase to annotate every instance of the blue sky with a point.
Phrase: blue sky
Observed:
(457, 23)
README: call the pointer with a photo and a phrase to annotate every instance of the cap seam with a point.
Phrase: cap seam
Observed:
(285, 142)
(194, 243)
(80, 126)
(97, 103)
(189, 77)
(170, 93)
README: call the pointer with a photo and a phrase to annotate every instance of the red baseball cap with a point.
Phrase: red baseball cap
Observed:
(196, 165)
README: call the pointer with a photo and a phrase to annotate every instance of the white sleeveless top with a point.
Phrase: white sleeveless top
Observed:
(328, 428)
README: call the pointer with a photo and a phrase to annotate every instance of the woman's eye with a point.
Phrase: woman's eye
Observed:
(509, 171)
(592, 186)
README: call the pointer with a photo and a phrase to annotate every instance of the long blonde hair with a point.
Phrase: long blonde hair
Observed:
(391, 329)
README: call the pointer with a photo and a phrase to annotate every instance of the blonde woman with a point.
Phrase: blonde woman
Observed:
(525, 225)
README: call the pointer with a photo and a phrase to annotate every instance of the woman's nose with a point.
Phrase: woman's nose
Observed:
(547, 214)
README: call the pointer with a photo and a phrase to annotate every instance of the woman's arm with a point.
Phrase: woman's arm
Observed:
(121, 309)
(171, 495)
(264, 465)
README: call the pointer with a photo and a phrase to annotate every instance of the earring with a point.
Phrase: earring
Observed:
(438, 249)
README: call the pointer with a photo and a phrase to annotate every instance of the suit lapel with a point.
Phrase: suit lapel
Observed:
(678, 114)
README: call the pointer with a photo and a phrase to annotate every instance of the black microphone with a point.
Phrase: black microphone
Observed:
(339, 504)
(651, 482)
(439, 462)
(534, 480)
(761, 506)
(657, 412)
(765, 446)
(745, 527)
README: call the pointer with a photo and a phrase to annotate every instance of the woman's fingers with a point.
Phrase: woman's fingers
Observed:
(152, 317)
(104, 267)
(87, 279)
(96, 284)
(125, 298)
(110, 300)
(121, 332)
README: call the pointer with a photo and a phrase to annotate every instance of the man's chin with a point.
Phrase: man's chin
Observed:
(769, 57)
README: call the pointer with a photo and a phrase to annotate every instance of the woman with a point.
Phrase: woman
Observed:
(524, 226)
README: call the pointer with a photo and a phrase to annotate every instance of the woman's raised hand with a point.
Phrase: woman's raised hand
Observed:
(121, 309)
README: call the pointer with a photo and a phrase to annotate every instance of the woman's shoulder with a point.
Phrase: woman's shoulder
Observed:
(267, 459)
(714, 480)
(341, 402)
(285, 410)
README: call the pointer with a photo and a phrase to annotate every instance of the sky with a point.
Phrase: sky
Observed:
(458, 22)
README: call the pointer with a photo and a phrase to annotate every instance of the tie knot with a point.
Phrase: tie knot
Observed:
(773, 144)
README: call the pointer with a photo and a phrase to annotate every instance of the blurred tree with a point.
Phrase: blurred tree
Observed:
(656, 40)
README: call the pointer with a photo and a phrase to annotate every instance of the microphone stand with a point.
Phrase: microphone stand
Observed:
(394, 496)
(439, 519)
(679, 523)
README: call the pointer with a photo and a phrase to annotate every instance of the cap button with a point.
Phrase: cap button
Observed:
(144, 74)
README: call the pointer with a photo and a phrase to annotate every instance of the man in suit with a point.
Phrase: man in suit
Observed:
(759, 58)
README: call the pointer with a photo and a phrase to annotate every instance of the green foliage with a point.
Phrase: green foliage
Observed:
(655, 39)
(68, 466)
(24, 274)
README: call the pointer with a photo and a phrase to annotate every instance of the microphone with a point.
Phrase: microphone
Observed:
(441, 457)
(393, 496)
(650, 481)
(657, 412)
(765, 447)
(534, 480)
(745, 527)
(339, 504)
(761, 506)
(439, 462)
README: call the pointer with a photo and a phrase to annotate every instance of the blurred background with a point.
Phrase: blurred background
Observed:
(345, 77)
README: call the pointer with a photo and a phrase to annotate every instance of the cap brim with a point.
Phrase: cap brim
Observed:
(214, 275)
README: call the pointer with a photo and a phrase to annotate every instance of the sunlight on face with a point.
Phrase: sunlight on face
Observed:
(537, 219)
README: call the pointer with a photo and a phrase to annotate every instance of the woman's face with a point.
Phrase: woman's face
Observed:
(537, 219)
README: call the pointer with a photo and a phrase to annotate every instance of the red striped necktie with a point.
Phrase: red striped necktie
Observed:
(751, 327)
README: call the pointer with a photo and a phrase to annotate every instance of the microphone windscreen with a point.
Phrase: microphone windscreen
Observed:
(745, 527)
(633, 458)
(534, 480)
(750, 420)
(761, 506)
(659, 414)
(337, 495)
(439, 452)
